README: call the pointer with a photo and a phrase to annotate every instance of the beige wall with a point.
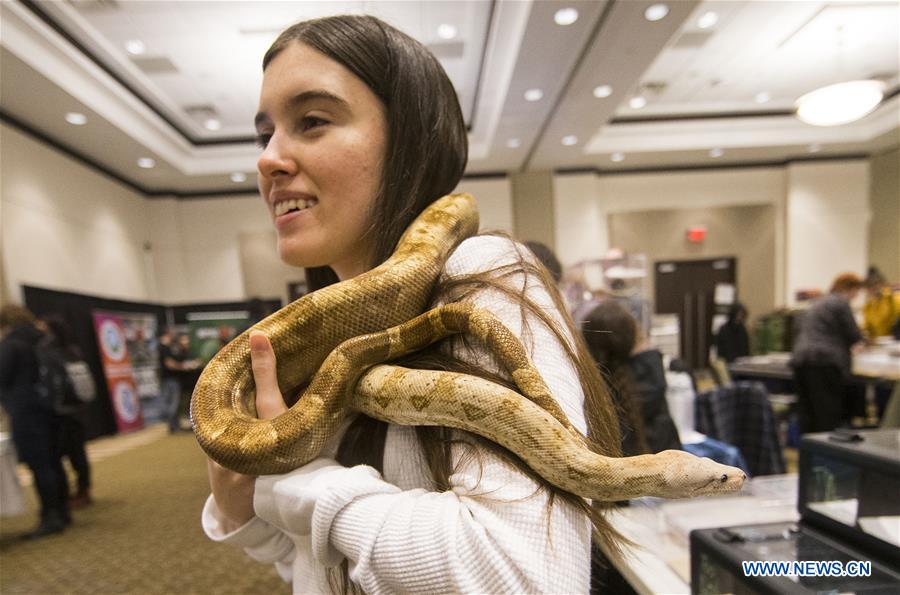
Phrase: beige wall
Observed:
(744, 232)
(67, 227)
(584, 203)
(533, 206)
(820, 214)
(884, 226)
(64, 226)
(494, 197)
(209, 247)
(264, 273)
(827, 218)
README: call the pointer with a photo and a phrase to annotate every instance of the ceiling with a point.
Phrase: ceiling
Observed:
(718, 90)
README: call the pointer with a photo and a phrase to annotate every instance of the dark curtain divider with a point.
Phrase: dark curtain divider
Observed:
(77, 309)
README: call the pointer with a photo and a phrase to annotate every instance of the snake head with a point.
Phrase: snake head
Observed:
(688, 476)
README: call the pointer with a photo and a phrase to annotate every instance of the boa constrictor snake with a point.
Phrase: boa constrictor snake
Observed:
(334, 342)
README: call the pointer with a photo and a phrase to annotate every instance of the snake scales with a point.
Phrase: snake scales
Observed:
(334, 342)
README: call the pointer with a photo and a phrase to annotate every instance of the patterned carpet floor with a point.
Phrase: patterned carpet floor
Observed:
(141, 535)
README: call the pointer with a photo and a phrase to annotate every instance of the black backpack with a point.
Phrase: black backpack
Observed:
(54, 388)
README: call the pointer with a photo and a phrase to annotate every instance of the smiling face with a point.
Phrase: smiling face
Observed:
(324, 138)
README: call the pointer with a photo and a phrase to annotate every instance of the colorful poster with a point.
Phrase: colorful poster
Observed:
(143, 350)
(117, 368)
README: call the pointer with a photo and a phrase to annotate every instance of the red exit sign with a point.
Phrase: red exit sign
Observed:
(696, 234)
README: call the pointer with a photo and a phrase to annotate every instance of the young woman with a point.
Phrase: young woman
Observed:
(360, 130)
(637, 379)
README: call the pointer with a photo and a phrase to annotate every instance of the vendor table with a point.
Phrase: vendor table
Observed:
(660, 562)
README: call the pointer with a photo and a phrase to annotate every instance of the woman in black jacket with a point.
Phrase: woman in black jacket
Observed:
(637, 380)
(732, 340)
(31, 419)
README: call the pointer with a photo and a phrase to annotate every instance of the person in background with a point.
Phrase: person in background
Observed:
(882, 308)
(732, 340)
(31, 420)
(636, 377)
(821, 357)
(190, 366)
(174, 361)
(547, 258)
(71, 432)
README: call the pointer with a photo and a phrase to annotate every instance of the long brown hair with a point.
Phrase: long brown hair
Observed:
(611, 333)
(426, 156)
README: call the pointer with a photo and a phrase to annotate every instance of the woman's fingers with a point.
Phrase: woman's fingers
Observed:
(269, 401)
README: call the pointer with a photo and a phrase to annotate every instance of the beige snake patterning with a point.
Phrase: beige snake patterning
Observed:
(336, 339)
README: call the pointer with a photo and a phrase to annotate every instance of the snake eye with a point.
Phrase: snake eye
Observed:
(724, 478)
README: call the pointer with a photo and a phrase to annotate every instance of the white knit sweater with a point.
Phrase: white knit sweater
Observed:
(490, 533)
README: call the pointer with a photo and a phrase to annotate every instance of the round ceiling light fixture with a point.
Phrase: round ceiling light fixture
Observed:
(617, 157)
(135, 47)
(716, 153)
(533, 95)
(446, 31)
(565, 16)
(213, 124)
(570, 140)
(238, 177)
(708, 19)
(840, 103)
(656, 12)
(762, 97)
(76, 118)
(637, 102)
(514, 143)
(146, 163)
(602, 91)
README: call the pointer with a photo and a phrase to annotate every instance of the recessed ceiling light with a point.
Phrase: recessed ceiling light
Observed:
(570, 140)
(514, 143)
(238, 177)
(762, 97)
(213, 124)
(533, 95)
(815, 148)
(840, 103)
(76, 118)
(602, 91)
(637, 102)
(146, 163)
(617, 157)
(565, 16)
(656, 12)
(715, 153)
(135, 47)
(707, 20)
(446, 31)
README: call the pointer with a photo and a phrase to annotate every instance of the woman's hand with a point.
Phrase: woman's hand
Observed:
(233, 492)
